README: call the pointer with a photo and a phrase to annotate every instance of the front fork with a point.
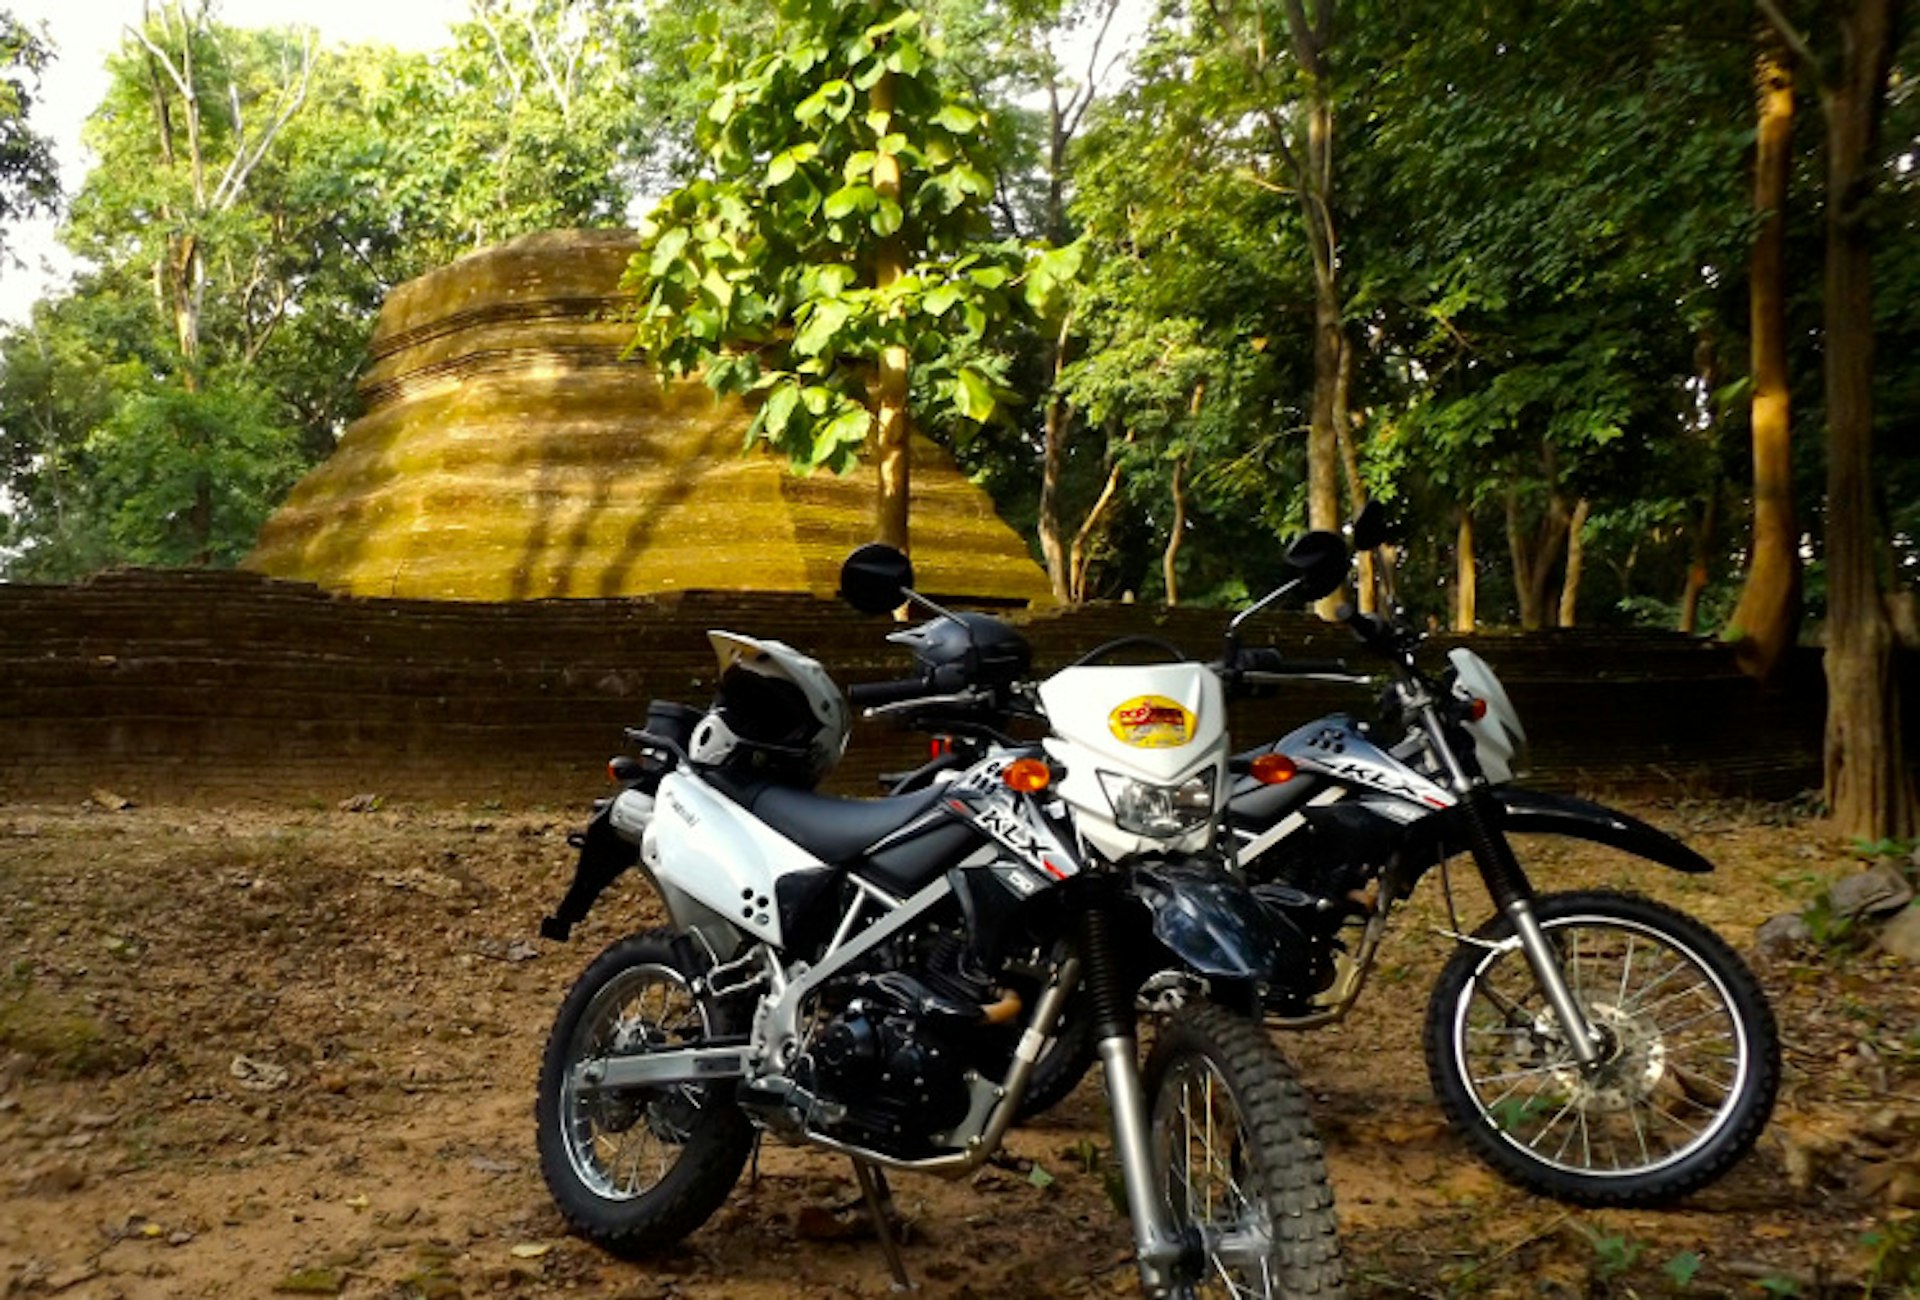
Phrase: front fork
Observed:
(1165, 1254)
(1512, 893)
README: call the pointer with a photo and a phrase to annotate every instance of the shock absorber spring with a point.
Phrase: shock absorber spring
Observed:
(1506, 881)
(1108, 996)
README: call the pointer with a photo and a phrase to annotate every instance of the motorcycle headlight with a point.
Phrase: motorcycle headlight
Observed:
(1160, 812)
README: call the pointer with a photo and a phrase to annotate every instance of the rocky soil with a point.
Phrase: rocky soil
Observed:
(256, 1052)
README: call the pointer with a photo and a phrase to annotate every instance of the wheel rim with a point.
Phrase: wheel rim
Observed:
(1675, 1056)
(1203, 1152)
(621, 1145)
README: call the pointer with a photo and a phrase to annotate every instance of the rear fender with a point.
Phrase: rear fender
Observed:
(604, 855)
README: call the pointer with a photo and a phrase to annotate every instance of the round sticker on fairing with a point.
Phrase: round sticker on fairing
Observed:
(1151, 722)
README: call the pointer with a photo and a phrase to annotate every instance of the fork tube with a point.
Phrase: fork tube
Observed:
(1158, 1248)
(1513, 894)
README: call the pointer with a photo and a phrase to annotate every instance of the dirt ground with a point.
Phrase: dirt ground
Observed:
(248, 1052)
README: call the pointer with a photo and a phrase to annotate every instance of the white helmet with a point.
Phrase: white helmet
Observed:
(778, 714)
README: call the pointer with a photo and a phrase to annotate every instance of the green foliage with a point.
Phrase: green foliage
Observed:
(167, 454)
(1682, 1268)
(29, 181)
(1614, 1253)
(764, 273)
(156, 413)
(1894, 1258)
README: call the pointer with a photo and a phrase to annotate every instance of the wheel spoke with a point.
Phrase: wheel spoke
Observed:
(1675, 1064)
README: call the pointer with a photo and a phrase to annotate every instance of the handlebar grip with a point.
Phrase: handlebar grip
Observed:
(867, 693)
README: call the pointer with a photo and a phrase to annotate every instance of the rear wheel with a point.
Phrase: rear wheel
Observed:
(638, 1169)
(1690, 1057)
(1238, 1159)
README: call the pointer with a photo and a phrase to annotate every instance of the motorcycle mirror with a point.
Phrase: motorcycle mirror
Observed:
(876, 578)
(1320, 558)
(1369, 526)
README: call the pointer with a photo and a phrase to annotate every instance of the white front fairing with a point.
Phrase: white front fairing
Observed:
(704, 847)
(1499, 741)
(1158, 723)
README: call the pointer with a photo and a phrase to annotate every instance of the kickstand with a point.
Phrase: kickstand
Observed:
(873, 1186)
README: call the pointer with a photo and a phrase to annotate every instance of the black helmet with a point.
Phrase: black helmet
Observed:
(1000, 654)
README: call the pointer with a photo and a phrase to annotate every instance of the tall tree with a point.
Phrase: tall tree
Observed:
(1290, 57)
(1767, 620)
(1868, 788)
(839, 245)
(211, 345)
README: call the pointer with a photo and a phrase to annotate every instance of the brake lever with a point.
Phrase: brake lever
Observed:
(1257, 678)
(921, 702)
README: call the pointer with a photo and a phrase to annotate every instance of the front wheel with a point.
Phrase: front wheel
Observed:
(1689, 1062)
(1238, 1160)
(638, 1169)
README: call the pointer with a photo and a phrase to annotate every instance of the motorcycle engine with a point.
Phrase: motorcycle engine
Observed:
(1317, 899)
(891, 1060)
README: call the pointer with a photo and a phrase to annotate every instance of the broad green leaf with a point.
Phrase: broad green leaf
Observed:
(841, 436)
(886, 218)
(957, 119)
(972, 395)
(779, 409)
(906, 58)
(938, 301)
(823, 321)
(668, 249)
(849, 199)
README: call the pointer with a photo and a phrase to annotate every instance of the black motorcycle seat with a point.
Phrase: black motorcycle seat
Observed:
(833, 829)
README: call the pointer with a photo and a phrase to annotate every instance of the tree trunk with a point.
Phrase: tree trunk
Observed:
(1868, 791)
(1697, 567)
(1766, 622)
(1570, 582)
(891, 428)
(1466, 586)
(1169, 562)
(1081, 557)
(1313, 166)
(1053, 464)
(1347, 435)
(1534, 553)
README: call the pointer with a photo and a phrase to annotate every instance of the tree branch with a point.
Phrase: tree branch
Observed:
(1791, 36)
(243, 163)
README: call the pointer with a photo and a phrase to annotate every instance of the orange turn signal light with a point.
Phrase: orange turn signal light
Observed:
(1027, 775)
(1273, 769)
(1477, 708)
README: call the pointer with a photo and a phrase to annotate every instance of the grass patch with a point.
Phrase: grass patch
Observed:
(60, 1034)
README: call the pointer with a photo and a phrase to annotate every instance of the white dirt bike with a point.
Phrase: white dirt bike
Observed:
(879, 977)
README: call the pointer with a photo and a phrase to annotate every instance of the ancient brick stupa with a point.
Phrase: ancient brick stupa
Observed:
(508, 453)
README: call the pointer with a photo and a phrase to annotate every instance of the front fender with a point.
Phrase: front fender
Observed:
(1532, 812)
(1209, 920)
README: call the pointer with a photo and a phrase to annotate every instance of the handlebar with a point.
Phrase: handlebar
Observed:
(944, 680)
(1262, 660)
(866, 694)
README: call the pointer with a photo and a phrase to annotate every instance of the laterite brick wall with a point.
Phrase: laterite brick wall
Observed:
(224, 686)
